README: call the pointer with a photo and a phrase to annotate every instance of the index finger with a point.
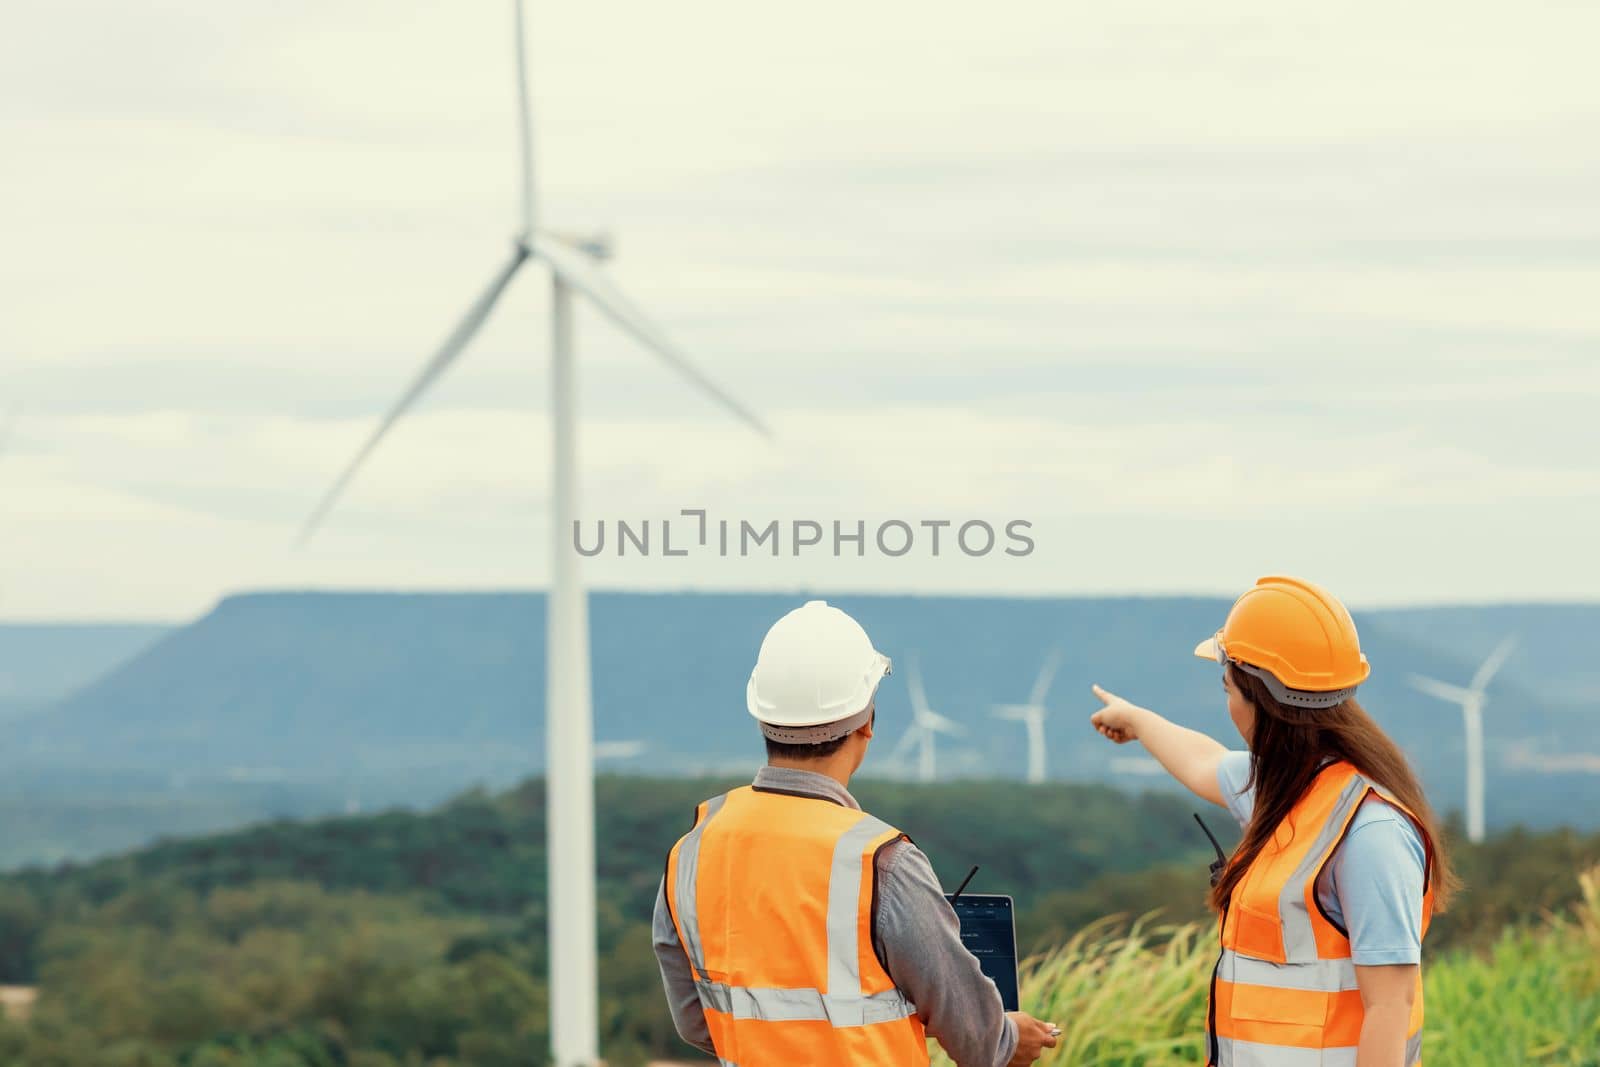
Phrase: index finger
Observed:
(1106, 696)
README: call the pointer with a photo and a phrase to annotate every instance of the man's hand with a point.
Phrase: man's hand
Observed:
(1033, 1037)
(1118, 720)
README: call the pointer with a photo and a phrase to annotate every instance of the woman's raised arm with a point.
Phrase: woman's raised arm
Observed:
(1188, 755)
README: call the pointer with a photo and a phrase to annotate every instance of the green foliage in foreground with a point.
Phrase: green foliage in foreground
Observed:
(1137, 998)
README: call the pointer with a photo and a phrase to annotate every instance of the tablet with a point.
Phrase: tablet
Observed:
(990, 933)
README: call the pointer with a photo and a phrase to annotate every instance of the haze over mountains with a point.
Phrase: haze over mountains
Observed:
(42, 663)
(297, 703)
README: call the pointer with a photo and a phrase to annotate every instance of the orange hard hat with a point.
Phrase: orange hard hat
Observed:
(1297, 637)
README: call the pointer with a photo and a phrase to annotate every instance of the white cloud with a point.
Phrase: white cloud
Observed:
(1206, 292)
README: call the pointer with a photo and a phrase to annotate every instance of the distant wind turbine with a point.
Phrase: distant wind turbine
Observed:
(618, 750)
(926, 725)
(1032, 716)
(1472, 700)
(569, 747)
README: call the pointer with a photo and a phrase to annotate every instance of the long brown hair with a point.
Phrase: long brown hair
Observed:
(1290, 746)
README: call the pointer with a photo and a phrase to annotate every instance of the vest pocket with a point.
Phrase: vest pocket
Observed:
(1259, 934)
(1297, 1008)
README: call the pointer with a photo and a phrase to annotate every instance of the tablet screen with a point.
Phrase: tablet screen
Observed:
(989, 932)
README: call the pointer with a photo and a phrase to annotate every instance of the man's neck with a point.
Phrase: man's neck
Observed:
(837, 769)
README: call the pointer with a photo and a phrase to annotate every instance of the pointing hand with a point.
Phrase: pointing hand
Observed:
(1117, 720)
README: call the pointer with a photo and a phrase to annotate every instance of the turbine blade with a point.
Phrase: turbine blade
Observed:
(919, 696)
(1455, 694)
(592, 283)
(453, 346)
(932, 720)
(524, 127)
(1047, 674)
(903, 746)
(1491, 666)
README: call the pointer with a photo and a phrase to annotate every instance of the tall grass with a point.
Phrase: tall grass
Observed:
(1138, 998)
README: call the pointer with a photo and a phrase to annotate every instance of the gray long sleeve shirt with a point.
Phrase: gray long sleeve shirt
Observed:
(916, 935)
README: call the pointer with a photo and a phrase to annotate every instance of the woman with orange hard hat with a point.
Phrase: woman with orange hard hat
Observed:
(1326, 901)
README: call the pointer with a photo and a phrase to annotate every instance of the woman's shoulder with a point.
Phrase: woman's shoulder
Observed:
(1379, 824)
(1233, 775)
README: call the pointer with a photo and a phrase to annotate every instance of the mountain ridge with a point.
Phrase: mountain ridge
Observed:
(309, 701)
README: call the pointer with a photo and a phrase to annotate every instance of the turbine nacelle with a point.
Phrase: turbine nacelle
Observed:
(1454, 694)
(932, 721)
(598, 245)
(1018, 712)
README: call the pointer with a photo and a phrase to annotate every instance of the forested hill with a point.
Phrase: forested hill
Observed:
(376, 940)
(402, 938)
(483, 853)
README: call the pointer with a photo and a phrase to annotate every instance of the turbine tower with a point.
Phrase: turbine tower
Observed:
(926, 725)
(1032, 714)
(1472, 700)
(569, 744)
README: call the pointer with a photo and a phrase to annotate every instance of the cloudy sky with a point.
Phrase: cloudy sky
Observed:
(1200, 292)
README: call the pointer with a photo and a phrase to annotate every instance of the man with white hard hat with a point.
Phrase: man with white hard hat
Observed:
(794, 928)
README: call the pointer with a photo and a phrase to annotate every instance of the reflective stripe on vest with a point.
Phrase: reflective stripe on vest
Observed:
(683, 902)
(1285, 991)
(1249, 1054)
(868, 1020)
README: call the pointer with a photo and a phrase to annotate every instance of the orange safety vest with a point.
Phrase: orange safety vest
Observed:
(772, 896)
(1284, 992)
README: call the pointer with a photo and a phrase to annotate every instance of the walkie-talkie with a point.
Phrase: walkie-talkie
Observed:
(1221, 862)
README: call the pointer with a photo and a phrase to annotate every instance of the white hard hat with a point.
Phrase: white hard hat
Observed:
(815, 676)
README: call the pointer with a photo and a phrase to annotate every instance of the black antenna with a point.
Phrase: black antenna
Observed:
(967, 879)
(1222, 857)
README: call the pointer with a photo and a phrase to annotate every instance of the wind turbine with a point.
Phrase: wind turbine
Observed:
(569, 745)
(926, 724)
(1472, 699)
(1032, 716)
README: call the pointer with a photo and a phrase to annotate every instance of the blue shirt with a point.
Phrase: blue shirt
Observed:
(1372, 885)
